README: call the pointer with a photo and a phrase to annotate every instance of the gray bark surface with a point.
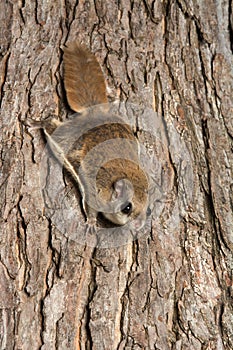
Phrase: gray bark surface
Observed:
(172, 287)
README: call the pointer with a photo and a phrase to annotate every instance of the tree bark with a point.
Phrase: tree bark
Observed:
(172, 287)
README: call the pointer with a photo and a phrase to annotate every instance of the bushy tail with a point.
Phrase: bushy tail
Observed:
(83, 78)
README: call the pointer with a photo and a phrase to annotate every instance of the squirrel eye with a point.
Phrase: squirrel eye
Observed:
(148, 212)
(127, 208)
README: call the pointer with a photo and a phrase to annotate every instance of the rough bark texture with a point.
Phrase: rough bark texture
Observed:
(172, 288)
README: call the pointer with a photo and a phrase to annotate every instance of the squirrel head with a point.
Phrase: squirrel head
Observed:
(129, 203)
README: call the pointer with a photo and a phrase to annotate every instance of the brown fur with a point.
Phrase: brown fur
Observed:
(83, 78)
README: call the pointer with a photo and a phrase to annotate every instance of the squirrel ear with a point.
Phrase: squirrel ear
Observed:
(122, 189)
(119, 187)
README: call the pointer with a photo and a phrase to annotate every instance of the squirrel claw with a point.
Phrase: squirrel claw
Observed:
(91, 226)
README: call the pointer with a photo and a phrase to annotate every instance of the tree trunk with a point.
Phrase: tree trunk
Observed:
(171, 288)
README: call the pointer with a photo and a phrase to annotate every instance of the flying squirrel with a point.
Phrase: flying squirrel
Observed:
(97, 147)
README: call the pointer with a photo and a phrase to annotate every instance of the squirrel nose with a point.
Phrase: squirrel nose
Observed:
(148, 212)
